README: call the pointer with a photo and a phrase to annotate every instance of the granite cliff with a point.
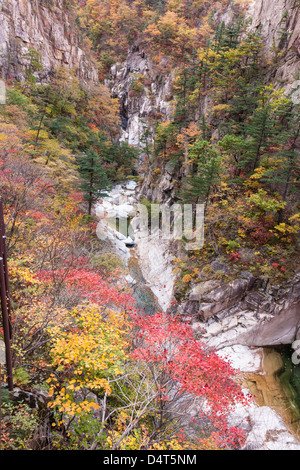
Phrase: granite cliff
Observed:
(49, 29)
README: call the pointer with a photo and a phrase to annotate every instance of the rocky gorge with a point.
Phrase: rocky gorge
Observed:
(249, 320)
(242, 320)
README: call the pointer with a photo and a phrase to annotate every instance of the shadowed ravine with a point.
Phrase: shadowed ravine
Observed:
(145, 298)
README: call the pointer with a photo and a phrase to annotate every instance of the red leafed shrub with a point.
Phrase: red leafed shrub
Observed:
(88, 285)
(170, 343)
(234, 256)
(258, 231)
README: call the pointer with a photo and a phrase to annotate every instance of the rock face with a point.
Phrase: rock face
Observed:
(243, 312)
(273, 18)
(214, 298)
(279, 23)
(156, 266)
(47, 28)
(142, 92)
(281, 324)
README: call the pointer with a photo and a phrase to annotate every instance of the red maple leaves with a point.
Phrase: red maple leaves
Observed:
(169, 342)
(88, 285)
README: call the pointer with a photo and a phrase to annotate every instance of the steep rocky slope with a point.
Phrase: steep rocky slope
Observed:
(264, 307)
(138, 107)
(280, 26)
(245, 312)
(43, 27)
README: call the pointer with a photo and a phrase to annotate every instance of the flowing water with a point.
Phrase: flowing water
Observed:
(278, 387)
(146, 300)
(142, 292)
(290, 380)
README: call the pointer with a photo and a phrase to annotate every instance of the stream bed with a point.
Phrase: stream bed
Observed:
(114, 221)
(273, 419)
(145, 298)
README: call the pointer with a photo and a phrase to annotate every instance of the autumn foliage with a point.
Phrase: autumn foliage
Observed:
(109, 376)
(171, 344)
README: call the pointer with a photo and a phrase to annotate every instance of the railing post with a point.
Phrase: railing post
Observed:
(5, 300)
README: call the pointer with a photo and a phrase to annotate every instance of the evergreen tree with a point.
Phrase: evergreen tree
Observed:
(285, 172)
(290, 172)
(207, 170)
(236, 147)
(264, 125)
(95, 182)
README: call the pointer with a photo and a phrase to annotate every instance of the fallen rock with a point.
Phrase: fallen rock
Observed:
(199, 290)
(218, 265)
(213, 300)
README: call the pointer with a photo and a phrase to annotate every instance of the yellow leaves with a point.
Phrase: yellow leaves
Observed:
(205, 30)
(285, 230)
(188, 134)
(137, 439)
(171, 34)
(221, 108)
(265, 202)
(241, 233)
(20, 272)
(68, 407)
(103, 108)
(174, 5)
(172, 444)
(223, 186)
(164, 124)
(243, 3)
(209, 55)
(295, 218)
(92, 349)
(187, 278)
(258, 173)
(191, 275)
(67, 214)
(9, 137)
(153, 30)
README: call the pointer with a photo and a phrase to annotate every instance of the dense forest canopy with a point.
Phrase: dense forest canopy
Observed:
(241, 154)
(107, 372)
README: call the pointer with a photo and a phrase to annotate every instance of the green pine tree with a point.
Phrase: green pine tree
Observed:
(95, 182)
(197, 187)
(264, 125)
(285, 172)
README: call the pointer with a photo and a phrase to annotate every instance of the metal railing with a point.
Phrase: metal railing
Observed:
(5, 300)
